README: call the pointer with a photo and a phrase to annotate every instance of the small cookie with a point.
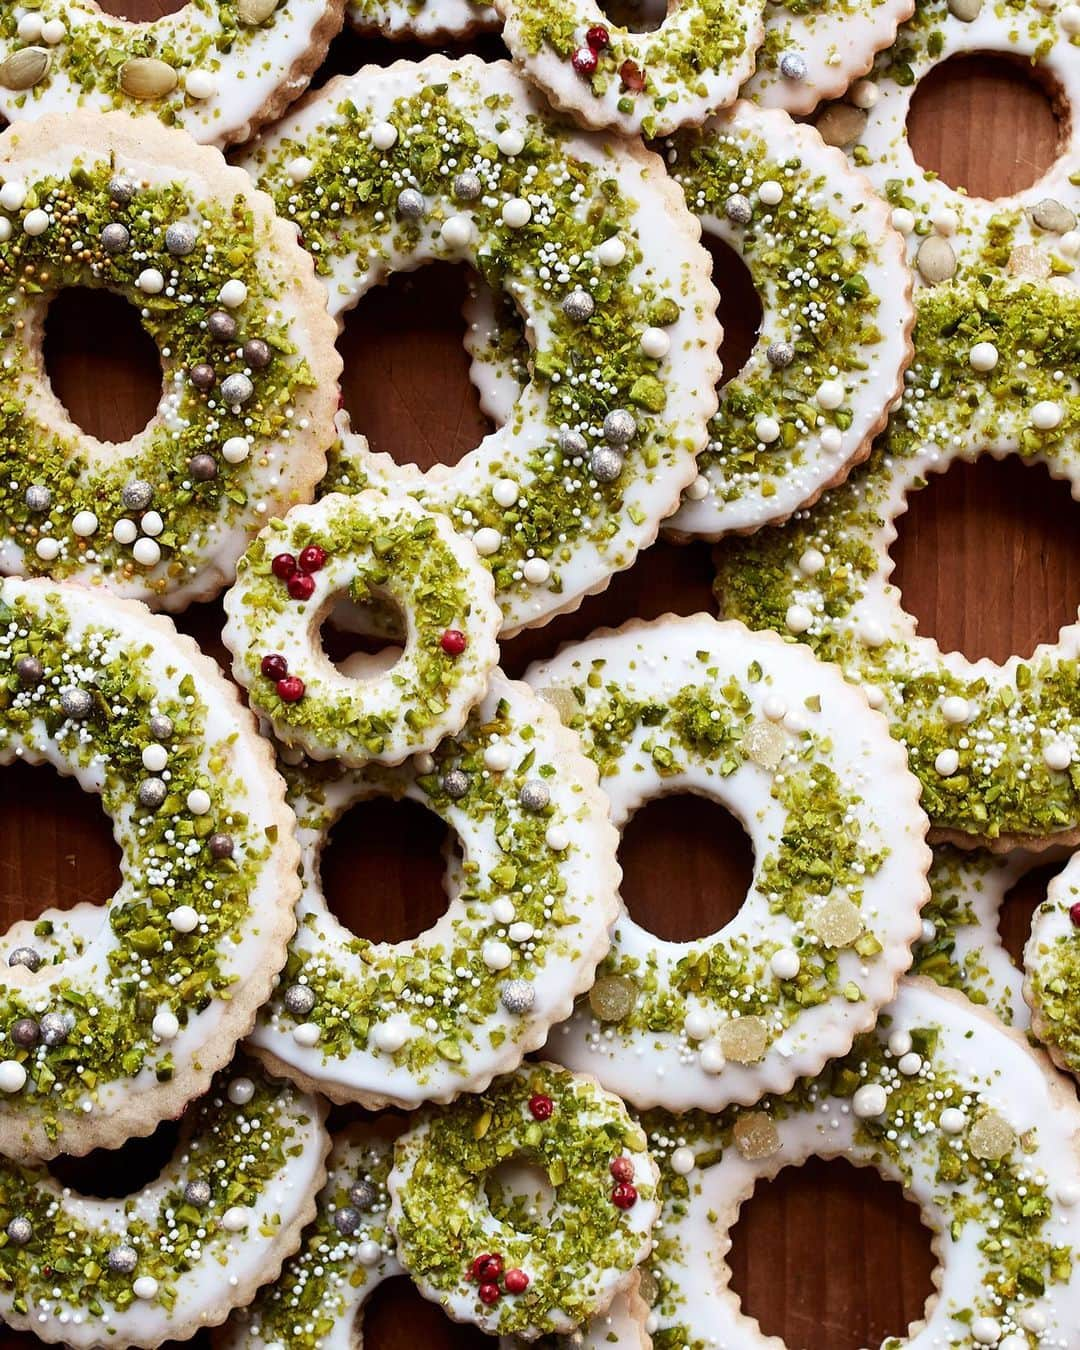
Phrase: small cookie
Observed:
(637, 83)
(692, 705)
(246, 346)
(182, 1251)
(942, 1099)
(422, 20)
(367, 547)
(496, 1269)
(1051, 972)
(461, 160)
(531, 902)
(113, 1018)
(218, 69)
(995, 371)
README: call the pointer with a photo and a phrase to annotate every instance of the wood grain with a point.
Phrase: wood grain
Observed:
(826, 1257)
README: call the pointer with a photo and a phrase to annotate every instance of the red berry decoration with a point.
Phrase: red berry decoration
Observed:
(597, 37)
(290, 689)
(1074, 914)
(624, 1195)
(516, 1281)
(312, 558)
(632, 76)
(453, 642)
(488, 1268)
(584, 61)
(301, 586)
(283, 566)
(622, 1169)
(489, 1293)
(541, 1106)
(274, 666)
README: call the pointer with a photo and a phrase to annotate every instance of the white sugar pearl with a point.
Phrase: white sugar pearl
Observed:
(798, 618)
(35, 222)
(125, 531)
(54, 31)
(557, 839)
(1032, 1319)
(771, 192)
(150, 281)
(682, 1161)
(698, 489)
(12, 194)
(233, 294)
(5, 229)
(236, 1219)
(505, 492)
(983, 356)
(929, 930)
(986, 1330)
(712, 1057)
(145, 1287)
(536, 571)
(152, 524)
(1068, 1195)
(383, 135)
(155, 757)
(496, 955)
(165, 1026)
(1014, 1342)
(235, 450)
(774, 708)
(456, 231)
(306, 1034)
(902, 220)
(811, 562)
(241, 1091)
(947, 763)
(955, 709)
(697, 1024)
(391, 1035)
(29, 29)
(1070, 19)
(1057, 755)
(875, 696)
(487, 541)
(1069, 243)
(12, 1076)
(832, 439)
(368, 1253)
(521, 932)
(767, 430)
(198, 801)
(300, 168)
(511, 142)
(1047, 415)
(864, 94)
(910, 1064)
(611, 252)
(47, 549)
(785, 963)
(498, 756)
(655, 343)
(503, 910)
(830, 394)
(516, 213)
(871, 633)
(870, 1101)
(952, 1120)
(899, 1043)
(200, 84)
(84, 523)
(945, 221)
(184, 919)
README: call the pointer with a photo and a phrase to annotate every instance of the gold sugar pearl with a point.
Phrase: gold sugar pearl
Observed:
(765, 743)
(612, 997)
(837, 923)
(991, 1137)
(756, 1136)
(744, 1039)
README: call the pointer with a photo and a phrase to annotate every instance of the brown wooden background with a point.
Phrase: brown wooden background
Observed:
(826, 1257)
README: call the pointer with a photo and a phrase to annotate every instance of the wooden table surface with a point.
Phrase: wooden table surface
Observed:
(826, 1257)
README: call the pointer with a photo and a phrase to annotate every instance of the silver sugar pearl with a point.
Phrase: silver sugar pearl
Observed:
(202, 468)
(299, 999)
(29, 669)
(121, 189)
(137, 495)
(411, 204)
(115, 237)
(257, 353)
(534, 795)
(572, 442)
(737, 208)
(605, 464)
(579, 306)
(38, 498)
(25, 956)
(221, 846)
(793, 66)
(363, 1194)
(467, 186)
(619, 427)
(236, 389)
(56, 1027)
(780, 354)
(76, 703)
(517, 996)
(222, 326)
(152, 792)
(347, 1220)
(455, 783)
(181, 238)
(161, 727)
(197, 1193)
(20, 1230)
(25, 1033)
(122, 1260)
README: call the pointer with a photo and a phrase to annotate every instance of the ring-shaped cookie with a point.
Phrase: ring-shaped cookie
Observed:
(185, 1249)
(1032, 233)
(112, 1019)
(422, 20)
(637, 83)
(997, 747)
(1051, 977)
(391, 169)
(483, 1267)
(240, 433)
(346, 1252)
(692, 705)
(531, 902)
(217, 69)
(366, 548)
(978, 1129)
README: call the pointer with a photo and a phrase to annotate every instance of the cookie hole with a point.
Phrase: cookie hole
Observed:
(739, 310)
(993, 519)
(59, 849)
(971, 102)
(103, 365)
(865, 1275)
(406, 379)
(359, 639)
(1020, 903)
(636, 16)
(382, 870)
(520, 1195)
(141, 11)
(396, 1317)
(110, 1174)
(687, 866)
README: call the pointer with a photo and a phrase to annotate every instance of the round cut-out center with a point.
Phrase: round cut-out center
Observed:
(111, 1174)
(520, 1195)
(739, 311)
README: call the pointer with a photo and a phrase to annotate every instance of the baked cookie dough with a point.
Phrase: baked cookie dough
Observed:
(422, 20)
